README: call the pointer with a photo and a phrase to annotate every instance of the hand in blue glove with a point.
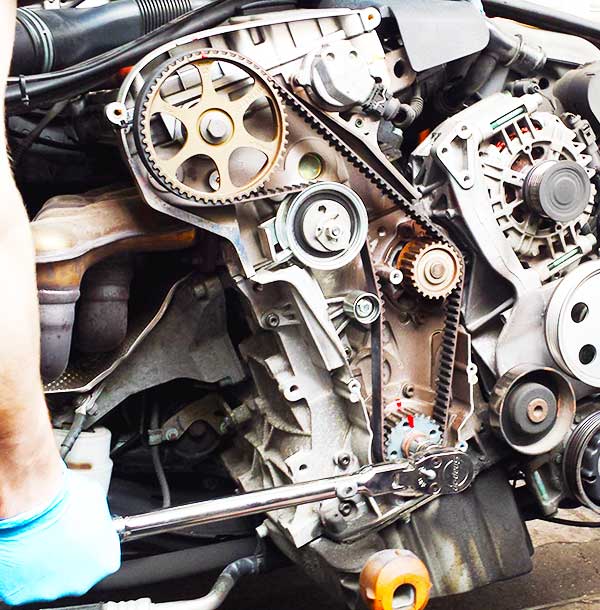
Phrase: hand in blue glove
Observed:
(63, 550)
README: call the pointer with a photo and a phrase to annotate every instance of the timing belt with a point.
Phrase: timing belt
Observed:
(452, 304)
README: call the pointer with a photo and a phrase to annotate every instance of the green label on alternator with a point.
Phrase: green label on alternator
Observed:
(513, 114)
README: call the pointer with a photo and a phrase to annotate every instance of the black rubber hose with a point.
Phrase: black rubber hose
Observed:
(177, 564)
(539, 16)
(47, 40)
(23, 93)
(229, 577)
(478, 75)
(504, 49)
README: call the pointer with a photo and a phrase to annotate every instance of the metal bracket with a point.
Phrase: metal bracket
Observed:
(206, 409)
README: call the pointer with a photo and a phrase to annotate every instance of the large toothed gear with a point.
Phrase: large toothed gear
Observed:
(433, 268)
(210, 126)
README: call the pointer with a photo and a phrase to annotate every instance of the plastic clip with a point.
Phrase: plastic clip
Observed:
(23, 89)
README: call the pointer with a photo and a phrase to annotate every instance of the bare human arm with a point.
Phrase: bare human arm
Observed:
(30, 467)
(56, 532)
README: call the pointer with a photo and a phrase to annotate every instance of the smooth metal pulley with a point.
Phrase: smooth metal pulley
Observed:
(532, 408)
(325, 226)
(573, 323)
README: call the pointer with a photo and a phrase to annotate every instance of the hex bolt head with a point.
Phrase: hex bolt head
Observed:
(217, 129)
(171, 434)
(271, 320)
(437, 271)
(345, 509)
(343, 460)
(334, 232)
(408, 390)
(364, 307)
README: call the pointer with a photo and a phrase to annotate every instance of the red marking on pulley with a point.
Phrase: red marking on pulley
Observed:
(411, 421)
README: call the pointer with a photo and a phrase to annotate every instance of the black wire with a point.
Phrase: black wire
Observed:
(36, 132)
(49, 142)
(46, 88)
(69, 82)
(570, 523)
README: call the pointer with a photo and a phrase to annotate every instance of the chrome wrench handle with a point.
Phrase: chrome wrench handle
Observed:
(447, 471)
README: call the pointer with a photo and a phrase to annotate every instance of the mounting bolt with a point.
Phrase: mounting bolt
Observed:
(216, 127)
(345, 509)
(333, 232)
(437, 271)
(363, 307)
(389, 274)
(408, 390)
(200, 291)
(271, 320)
(343, 459)
(171, 434)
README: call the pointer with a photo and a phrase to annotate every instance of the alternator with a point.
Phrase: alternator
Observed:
(539, 186)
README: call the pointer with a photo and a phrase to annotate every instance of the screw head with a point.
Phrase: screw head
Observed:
(217, 129)
(437, 270)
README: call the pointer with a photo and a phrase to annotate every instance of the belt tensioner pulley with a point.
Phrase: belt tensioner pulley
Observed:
(209, 126)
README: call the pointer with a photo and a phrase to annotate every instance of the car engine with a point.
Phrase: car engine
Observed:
(283, 243)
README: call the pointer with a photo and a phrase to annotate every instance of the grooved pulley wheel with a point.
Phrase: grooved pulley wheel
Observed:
(210, 126)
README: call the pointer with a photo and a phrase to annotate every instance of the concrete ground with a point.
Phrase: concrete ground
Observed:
(566, 575)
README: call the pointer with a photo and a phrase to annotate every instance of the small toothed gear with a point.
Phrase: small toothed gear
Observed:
(433, 268)
(403, 433)
(208, 130)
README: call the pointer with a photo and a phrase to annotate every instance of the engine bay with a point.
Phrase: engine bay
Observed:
(302, 241)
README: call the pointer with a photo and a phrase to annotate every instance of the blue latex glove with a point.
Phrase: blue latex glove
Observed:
(62, 550)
